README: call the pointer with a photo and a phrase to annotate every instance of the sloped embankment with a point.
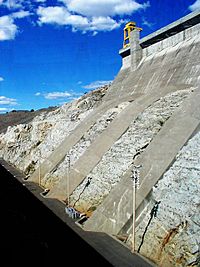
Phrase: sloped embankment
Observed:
(28, 145)
(117, 160)
(79, 148)
(173, 237)
(16, 117)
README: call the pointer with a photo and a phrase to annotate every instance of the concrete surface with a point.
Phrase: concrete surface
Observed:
(61, 151)
(101, 145)
(168, 63)
(116, 209)
(171, 62)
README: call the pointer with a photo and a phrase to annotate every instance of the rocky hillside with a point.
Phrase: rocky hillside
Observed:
(173, 236)
(27, 145)
(118, 159)
(16, 117)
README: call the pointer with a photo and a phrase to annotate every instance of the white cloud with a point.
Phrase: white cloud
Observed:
(89, 15)
(103, 8)
(1, 79)
(147, 23)
(96, 84)
(62, 95)
(57, 95)
(37, 94)
(61, 16)
(103, 24)
(77, 21)
(20, 14)
(53, 15)
(7, 101)
(13, 4)
(8, 29)
(84, 15)
(4, 110)
(195, 6)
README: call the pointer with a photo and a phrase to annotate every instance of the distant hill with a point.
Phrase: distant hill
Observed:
(19, 117)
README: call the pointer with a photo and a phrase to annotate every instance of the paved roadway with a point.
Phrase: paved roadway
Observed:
(35, 231)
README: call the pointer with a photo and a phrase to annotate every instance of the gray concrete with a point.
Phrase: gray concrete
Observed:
(171, 62)
(172, 29)
(166, 66)
(100, 146)
(116, 210)
(60, 152)
(156, 75)
(178, 26)
(103, 142)
(136, 49)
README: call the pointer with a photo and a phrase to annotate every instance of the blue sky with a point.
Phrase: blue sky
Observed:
(52, 51)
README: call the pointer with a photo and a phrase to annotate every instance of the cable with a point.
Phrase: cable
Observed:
(153, 213)
(86, 185)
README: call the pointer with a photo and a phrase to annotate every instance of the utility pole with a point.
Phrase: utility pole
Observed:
(39, 169)
(135, 178)
(68, 179)
(134, 200)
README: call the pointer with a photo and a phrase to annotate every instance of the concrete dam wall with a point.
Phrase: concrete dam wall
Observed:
(148, 117)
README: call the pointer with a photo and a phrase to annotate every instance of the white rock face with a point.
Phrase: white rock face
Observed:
(173, 237)
(118, 159)
(26, 145)
(78, 150)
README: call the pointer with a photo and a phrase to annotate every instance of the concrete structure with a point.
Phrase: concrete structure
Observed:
(115, 212)
(161, 66)
(97, 149)
(163, 62)
(146, 75)
(58, 154)
(169, 57)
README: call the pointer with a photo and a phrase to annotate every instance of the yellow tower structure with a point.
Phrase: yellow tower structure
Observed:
(130, 26)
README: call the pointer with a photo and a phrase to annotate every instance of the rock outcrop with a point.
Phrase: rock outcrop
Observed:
(173, 237)
(120, 156)
(27, 145)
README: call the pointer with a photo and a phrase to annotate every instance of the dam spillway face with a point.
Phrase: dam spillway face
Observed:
(149, 116)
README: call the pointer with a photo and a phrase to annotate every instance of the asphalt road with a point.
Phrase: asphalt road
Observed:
(36, 231)
(31, 235)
